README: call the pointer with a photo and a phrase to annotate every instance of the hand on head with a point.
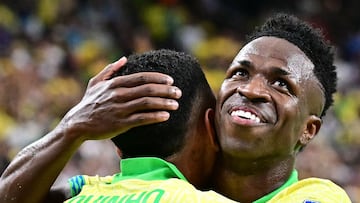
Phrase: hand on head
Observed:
(112, 105)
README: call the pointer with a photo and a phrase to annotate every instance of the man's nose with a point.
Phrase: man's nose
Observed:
(255, 90)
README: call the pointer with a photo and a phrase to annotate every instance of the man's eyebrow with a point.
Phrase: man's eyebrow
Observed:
(246, 64)
(279, 71)
(274, 70)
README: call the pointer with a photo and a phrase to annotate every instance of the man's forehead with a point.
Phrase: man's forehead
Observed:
(272, 48)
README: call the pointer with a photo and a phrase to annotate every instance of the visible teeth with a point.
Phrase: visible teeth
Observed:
(246, 114)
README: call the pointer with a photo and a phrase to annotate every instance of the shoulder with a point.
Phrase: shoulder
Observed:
(312, 190)
(182, 191)
(162, 191)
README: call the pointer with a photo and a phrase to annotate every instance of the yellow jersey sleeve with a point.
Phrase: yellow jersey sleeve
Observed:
(76, 183)
(139, 191)
(312, 190)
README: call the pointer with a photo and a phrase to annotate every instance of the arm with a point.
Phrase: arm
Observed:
(109, 107)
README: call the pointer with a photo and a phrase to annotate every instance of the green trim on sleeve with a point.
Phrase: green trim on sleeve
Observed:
(76, 183)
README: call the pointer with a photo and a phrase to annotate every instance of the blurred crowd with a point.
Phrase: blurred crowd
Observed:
(50, 48)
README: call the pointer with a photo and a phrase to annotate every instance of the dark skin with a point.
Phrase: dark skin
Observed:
(268, 108)
(109, 107)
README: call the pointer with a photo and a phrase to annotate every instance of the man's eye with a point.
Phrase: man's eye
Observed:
(240, 73)
(281, 83)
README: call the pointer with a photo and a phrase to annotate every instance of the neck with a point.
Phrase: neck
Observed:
(251, 179)
(194, 171)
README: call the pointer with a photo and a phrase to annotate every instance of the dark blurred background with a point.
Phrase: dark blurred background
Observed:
(50, 48)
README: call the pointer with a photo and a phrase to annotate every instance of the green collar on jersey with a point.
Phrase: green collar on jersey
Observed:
(293, 179)
(147, 168)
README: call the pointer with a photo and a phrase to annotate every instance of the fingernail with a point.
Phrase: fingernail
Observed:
(177, 92)
(169, 80)
(173, 103)
(164, 115)
(122, 58)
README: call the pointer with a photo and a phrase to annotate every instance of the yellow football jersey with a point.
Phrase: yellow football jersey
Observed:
(312, 190)
(153, 180)
(142, 180)
(172, 190)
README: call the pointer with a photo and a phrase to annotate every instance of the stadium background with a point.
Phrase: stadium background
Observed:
(50, 48)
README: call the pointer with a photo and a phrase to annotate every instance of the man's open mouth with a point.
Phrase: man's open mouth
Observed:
(246, 115)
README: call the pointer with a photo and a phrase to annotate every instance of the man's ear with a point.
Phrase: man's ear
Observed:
(311, 129)
(210, 127)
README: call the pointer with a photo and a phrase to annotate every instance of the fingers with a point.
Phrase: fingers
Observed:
(108, 71)
(118, 64)
(147, 104)
(112, 68)
(140, 79)
(141, 111)
(120, 95)
(146, 118)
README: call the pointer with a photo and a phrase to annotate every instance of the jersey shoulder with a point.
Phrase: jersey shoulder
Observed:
(312, 190)
(162, 191)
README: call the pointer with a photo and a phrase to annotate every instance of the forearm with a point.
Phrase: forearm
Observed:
(31, 174)
(108, 108)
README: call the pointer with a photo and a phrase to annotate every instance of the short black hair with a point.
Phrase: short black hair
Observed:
(164, 139)
(311, 41)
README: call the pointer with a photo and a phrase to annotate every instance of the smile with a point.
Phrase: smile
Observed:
(246, 115)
